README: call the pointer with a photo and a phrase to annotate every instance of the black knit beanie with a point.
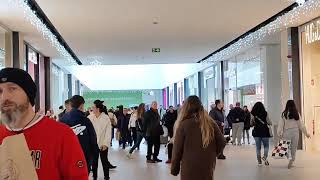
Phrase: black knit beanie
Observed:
(22, 79)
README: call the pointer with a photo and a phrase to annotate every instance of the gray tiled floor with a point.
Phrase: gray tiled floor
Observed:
(240, 165)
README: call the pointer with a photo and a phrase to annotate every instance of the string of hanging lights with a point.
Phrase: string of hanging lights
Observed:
(279, 24)
(35, 21)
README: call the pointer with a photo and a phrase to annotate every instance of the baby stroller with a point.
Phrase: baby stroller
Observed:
(227, 130)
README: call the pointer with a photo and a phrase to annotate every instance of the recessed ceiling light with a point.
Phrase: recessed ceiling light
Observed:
(155, 20)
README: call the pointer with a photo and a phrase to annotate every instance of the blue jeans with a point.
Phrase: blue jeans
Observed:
(137, 143)
(259, 142)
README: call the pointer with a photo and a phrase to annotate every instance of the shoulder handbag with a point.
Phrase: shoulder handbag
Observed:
(113, 121)
(160, 129)
(269, 126)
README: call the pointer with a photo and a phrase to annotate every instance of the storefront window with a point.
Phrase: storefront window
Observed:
(171, 95)
(211, 85)
(180, 93)
(244, 79)
(193, 85)
(310, 55)
(32, 61)
(59, 87)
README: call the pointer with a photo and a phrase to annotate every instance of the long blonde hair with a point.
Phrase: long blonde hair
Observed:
(193, 109)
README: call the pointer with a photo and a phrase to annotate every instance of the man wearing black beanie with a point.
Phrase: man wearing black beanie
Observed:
(55, 149)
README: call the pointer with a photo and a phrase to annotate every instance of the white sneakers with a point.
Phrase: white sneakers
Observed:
(129, 156)
(290, 165)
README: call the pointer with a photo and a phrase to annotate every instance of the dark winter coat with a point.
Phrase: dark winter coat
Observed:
(169, 120)
(217, 115)
(84, 129)
(139, 125)
(196, 162)
(236, 115)
(123, 123)
(151, 123)
(261, 129)
(60, 116)
(247, 118)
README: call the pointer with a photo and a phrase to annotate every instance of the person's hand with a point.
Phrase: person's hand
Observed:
(8, 170)
(281, 136)
(103, 148)
(222, 124)
(308, 136)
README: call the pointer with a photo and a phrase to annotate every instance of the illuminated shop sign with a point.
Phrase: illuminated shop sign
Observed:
(32, 56)
(312, 32)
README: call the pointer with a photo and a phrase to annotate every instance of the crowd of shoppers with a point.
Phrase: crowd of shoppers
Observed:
(196, 137)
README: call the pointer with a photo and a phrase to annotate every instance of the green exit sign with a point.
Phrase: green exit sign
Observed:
(155, 50)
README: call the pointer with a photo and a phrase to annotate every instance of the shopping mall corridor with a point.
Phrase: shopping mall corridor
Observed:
(240, 165)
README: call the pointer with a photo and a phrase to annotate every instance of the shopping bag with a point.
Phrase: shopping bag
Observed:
(15, 159)
(118, 136)
(282, 150)
(165, 131)
(270, 130)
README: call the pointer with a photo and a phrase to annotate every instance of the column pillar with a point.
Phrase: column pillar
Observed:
(78, 87)
(175, 92)
(296, 80)
(168, 97)
(222, 80)
(18, 50)
(272, 81)
(69, 86)
(14, 47)
(8, 49)
(200, 84)
(186, 88)
(47, 76)
(37, 81)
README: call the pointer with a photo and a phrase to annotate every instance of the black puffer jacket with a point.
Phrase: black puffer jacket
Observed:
(237, 115)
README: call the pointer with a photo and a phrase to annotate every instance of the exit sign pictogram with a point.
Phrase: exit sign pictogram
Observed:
(155, 50)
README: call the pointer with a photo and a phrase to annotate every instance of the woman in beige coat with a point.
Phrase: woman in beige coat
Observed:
(197, 142)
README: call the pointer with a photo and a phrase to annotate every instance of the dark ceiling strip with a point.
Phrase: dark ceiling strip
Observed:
(266, 22)
(42, 16)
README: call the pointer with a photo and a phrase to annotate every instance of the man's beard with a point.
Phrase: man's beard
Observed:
(14, 115)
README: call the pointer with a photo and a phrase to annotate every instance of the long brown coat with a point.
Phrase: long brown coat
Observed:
(196, 162)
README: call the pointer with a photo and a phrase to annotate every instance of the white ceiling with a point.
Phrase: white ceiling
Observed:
(122, 32)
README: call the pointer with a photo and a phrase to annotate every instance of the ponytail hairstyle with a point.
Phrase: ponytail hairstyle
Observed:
(102, 108)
